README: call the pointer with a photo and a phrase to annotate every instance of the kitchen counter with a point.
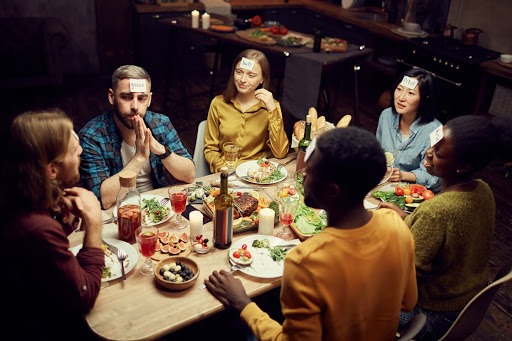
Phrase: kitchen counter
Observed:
(368, 18)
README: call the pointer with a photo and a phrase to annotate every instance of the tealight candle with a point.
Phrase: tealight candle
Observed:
(195, 19)
(196, 224)
(206, 21)
(266, 224)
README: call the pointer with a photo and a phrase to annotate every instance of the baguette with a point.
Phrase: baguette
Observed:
(314, 118)
(344, 122)
(298, 129)
(320, 124)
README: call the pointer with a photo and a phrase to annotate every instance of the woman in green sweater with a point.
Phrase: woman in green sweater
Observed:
(453, 230)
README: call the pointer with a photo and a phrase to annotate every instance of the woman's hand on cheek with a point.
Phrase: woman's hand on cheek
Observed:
(266, 97)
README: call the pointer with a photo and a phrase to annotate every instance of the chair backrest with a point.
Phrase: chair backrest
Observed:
(412, 328)
(202, 167)
(474, 312)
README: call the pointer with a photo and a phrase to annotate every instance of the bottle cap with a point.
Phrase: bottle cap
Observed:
(308, 118)
(224, 170)
(127, 178)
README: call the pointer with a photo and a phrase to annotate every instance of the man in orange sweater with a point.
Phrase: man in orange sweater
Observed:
(351, 281)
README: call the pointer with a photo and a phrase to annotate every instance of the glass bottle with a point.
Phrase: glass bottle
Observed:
(317, 42)
(223, 214)
(303, 144)
(128, 202)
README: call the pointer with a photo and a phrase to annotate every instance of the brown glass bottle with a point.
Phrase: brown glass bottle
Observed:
(223, 214)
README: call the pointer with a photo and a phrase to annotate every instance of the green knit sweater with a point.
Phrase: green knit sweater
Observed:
(452, 234)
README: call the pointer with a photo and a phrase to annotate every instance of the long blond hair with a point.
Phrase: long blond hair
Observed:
(36, 138)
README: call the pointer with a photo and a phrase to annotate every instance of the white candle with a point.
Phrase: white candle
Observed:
(196, 224)
(266, 225)
(195, 19)
(206, 21)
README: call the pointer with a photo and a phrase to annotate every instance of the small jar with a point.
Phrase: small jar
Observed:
(128, 203)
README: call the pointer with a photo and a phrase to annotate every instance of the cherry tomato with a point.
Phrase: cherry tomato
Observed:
(248, 255)
(199, 236)
(239, 194)
(292, 191)
(407, 191)
(283, 30)
(256, 21)
(409, 200)
(274, 30)
(428, 194)
(399, 191)
(236, 254)
(244, 247)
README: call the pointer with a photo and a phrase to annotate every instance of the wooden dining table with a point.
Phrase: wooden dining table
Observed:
(140, 309)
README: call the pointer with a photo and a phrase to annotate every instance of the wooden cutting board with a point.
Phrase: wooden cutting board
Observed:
(263, 40)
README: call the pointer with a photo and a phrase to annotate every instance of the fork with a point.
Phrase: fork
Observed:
(164, 201)
(121, 256)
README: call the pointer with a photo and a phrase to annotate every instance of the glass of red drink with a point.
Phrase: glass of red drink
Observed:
(179, 199)
(287, 208)
(147, 237)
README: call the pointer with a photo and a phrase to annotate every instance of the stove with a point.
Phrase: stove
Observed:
(455, 66)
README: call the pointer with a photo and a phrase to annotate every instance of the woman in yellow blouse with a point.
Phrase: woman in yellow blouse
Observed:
(246, 113)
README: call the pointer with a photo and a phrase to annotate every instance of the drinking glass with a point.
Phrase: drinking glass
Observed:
(147, 237)
(179, 200)
(230, 151)
(287, 208)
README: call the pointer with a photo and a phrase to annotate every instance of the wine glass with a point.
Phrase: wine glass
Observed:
(179, 200)
(230, 151)
(287, 208)
(147, 237)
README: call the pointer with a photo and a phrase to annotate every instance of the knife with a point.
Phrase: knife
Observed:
(111, 247)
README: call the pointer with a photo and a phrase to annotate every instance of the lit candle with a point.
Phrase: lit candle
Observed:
(196, 224)
(195, 19)
(266, 225)
(206, 21)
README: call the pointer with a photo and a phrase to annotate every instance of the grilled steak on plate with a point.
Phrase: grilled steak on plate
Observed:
(244, 205)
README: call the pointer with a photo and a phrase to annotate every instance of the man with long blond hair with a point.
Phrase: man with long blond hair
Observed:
(50, 289)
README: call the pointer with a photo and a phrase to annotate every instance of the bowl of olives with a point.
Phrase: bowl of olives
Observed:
(176, 273)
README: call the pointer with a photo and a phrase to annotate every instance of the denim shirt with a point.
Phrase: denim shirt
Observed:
(409, 154)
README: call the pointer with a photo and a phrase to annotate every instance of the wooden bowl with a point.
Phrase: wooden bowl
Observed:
(177, 286)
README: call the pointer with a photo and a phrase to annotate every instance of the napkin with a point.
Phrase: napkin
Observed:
(369, 206)
(217, 6)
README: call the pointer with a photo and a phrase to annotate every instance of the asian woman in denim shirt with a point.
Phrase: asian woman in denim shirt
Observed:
(404, 128)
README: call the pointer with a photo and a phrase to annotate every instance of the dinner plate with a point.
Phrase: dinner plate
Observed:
(262, 266)
(159, 199)
(111, 260)
(404, 32)
(242, 169)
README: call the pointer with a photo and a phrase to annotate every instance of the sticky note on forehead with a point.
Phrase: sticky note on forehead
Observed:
(436, 136)
(247, 64)
(137, 85)
(409, 82)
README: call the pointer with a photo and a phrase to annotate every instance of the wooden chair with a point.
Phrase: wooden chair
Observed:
(474, 312)
(202, 167)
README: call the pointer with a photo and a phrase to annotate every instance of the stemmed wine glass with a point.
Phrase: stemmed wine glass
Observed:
(230, 151)
(147, 237)
(287, 208)
(179, 200)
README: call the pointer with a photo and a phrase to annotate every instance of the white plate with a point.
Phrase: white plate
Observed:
(243, 168)
(159, 199)
(111, 260)
(262, 266)
(403, 32)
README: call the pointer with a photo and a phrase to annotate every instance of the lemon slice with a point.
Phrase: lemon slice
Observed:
(254, 194)
(390, 158)
(237, 222)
